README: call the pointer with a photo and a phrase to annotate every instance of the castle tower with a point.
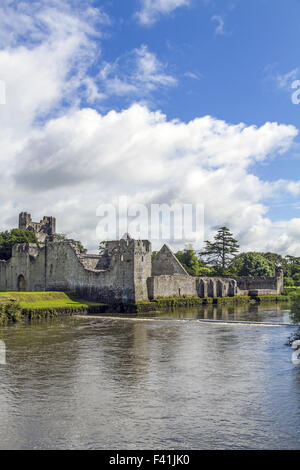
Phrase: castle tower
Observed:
(24, 220)
(131, 261)
(44, 230)
(142, 268)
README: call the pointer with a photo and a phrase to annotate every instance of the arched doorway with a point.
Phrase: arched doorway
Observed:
(21, 283)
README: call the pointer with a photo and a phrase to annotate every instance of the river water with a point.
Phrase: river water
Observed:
(165, 382)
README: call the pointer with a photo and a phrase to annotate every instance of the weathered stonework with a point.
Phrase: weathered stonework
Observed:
(44, 230)
(124, 273)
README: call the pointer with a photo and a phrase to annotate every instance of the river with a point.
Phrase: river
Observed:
(172, 381)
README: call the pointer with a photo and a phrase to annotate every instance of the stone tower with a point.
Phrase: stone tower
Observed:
(44, 230)
(131, 261)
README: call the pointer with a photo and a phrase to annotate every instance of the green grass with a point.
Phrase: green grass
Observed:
(45, 304)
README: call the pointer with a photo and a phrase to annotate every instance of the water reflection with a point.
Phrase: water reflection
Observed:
(265, 312)
(153, 383)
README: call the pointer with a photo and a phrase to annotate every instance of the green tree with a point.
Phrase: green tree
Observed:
(9, 239)
(189, 260)
(252, 264)
(219, 253)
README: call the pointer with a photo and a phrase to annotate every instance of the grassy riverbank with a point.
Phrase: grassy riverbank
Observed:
(44, 304)
(17, 305)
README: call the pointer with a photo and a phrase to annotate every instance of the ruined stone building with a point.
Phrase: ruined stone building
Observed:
(124, 273)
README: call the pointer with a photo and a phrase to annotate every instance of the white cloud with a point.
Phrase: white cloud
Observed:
(45, 70)
(136, 75)
(151, 10)
(84, 158)
(193, 75)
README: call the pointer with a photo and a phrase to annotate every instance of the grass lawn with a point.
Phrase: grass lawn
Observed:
(47, 300)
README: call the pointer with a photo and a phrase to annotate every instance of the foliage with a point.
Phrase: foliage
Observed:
(219, 253)
(251, 264)
(288, 281)
(189, 261)
(205, 271)
(9, 239)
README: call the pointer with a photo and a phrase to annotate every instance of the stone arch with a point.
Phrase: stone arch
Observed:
(21, 283)
(211, 288)
(219, 288)
(201, 288)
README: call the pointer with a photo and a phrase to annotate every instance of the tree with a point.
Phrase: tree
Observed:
(251, 264)
(189, 260)
(218, 254)
(9, 239)
(293, 263)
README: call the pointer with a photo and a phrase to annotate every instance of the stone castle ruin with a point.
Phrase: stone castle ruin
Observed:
(123, 273)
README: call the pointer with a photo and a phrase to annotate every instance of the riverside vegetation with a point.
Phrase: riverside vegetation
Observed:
(16, 306)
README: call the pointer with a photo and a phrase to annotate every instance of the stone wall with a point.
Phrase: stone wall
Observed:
(182, 285)
(269, 285)
(3, 282)
(61, 266)
(172, 286)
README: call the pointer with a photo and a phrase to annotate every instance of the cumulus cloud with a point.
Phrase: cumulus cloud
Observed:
(151, 10)
(45, 52)
(82, 159)
(61, 158)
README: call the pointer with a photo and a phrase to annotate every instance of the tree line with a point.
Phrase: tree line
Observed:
(220, 257)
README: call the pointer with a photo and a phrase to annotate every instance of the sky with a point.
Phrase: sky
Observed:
(162, 101)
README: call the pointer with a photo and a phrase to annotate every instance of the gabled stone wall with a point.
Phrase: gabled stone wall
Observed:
(166, 263)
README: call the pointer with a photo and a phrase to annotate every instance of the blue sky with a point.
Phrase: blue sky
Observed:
(235, 67)
(161, 100)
